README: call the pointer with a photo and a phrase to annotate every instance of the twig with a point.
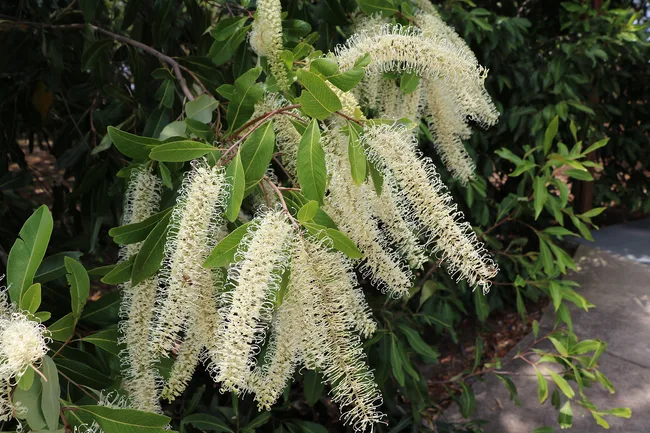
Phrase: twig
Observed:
(351, 119)
(176, 67)
(264, 117)
(38, 372)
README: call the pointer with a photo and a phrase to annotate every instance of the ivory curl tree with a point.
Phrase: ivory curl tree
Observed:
(249, 220)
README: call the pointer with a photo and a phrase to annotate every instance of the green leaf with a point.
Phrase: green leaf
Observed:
(511, 387)
(597, 145)
(137, 232)
(27, 253)
(559, 346)
(579, 174)
(30, 399)
(308, 211)
(27, 379)
(120, 273)
(174, 129)
(256, 154)
(51, 393)
(310, 427)
(131, 145)
(549, 134)
(540, 195)
(312, 174)
(384, 7)
(396, 361)
(62, 329)
(340, 241)
(237, 180)
(555, 291)
(542, 387)
(559, 231)
(620, 412)
(181, 151)
(106, 339)
(409, 82)
(467, 401)
(329, 69)
(562, 384)
(317, 100)
(94, 51)
(543, 430)
(565, 418)
(205, 422)
(165, 94)
(546, 257)
(126, 420)
(314, 386)
(376, 176)
(165, 175)
(356, 155)
(605, 382)
(220, 52)
(151, 254)
(53, 267)
(31, 299)
(417, 343)
(226, 26)
(79, 285)
(200, 129)
(593, 212)
(81, 372)
(224, 252)
(245, 94)
(103, 311)
(201, 108)
(481, 305)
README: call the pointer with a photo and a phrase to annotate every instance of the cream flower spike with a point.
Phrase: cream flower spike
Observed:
(399, 221)
(286, 135)
(396, 105)
(23, 342)
(351, 208)
(263, 254)
(393, 48)
(266, 38)
(282, 353)
(448, 128)
(323, 286)
(394, 150)
(193, 225)
(140, 377)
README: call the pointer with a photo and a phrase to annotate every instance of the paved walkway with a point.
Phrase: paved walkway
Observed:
(617, 281)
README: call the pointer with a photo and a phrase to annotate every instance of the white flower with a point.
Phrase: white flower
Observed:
(266, 38)
(23, 342)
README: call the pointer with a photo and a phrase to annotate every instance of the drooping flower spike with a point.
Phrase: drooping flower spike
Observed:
(266, 38)
(140, 377)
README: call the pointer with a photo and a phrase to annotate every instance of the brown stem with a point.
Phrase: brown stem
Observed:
(351, 119)
(263, 117)
(176, 67)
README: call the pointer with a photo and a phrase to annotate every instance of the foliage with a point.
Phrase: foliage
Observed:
(94, 100)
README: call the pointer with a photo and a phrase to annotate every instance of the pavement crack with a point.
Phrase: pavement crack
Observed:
(627, 360)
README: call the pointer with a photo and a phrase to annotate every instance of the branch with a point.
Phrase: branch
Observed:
(176, 67)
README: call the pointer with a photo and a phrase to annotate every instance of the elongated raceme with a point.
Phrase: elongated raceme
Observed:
(254, 281)
(323, 286)
(350, 206)
(394, 150)
(448, 128)
(266, 38)
(140, 377)
(203, 325)
(404, 49)
(397, 105)
(282, 354)
(400, 223)
(193, 225)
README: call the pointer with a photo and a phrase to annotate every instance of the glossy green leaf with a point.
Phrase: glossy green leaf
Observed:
(245, 94)
(562, 384)
(201, 108)
(314, 386)
(311, 169)
(549, 134)
(340, 241)
(126, 420)
(200, 129)
(30, 399)
(120, 273)
(206, 422)
(79, 284)
(181, 151)
(384, 7)
(542, 387)
(396, 361)
(540, 195)
(256, 154)
(51, 392)
(467, 401)
(317, 100)
(237, 180)
(565, 417)
(224, 252)
(137, 232)
(356, 154)
(308, 211)
(409, 82)
(27, 253)
(62, 329)
(106, 339)
(417, 343)
(130, 145)
(53, 267)
(31, 300)
(150, 256)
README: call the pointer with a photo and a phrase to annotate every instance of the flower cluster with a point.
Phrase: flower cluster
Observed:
(289, 298)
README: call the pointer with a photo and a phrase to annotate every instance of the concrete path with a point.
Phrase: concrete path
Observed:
(630, 240)
(620, 289)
